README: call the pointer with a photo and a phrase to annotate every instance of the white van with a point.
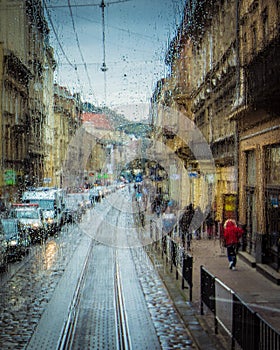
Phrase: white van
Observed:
(52, 203)
(30, 217)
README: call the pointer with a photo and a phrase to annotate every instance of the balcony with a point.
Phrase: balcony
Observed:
(36, 149)
(223, 151)
(19, 126)
(169, 132)
(263, 78)
(185, 154)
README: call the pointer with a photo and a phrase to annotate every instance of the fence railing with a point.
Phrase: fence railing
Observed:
(174, 254)
(244, 325)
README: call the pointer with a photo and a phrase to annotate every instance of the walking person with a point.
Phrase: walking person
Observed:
(168, 221)
(157, 205)
(232, 235)
(196, 221)
(184, 226)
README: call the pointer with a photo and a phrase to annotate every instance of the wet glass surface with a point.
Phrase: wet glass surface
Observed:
(173, 105)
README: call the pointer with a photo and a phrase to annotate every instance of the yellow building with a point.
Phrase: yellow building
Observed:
(107, 153)
(224, 65)
(67, 111)
(24, 57)
(259, 129)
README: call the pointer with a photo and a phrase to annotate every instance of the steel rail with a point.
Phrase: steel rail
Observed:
(68, 330)
(123, 339)
(122, 329)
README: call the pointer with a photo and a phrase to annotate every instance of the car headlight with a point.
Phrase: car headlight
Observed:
(49, 220)
(13, 243)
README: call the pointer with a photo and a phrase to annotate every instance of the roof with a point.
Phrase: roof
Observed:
(99, 121)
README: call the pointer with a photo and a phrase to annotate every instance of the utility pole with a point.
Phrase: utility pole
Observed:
(103, 67)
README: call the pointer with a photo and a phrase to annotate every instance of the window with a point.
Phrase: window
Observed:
(254, 38)
(272, 162)
(251, 218)
(251, 168)
(272, 196)
(265, 24)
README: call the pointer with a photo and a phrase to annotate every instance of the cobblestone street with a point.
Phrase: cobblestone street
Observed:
(25, 293)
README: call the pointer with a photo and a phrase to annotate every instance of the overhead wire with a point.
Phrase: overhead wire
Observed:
(103, 67)
(79, 47)
(127, 31)
(56, 36)
(74, 66)
(88, 5)
(77, 5)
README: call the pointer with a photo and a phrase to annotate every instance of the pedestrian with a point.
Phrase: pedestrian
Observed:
(139, 196)
(189, 239)
(232, 235)
(184, 225)
(95, 194)
(157, 205)
(168, 221)
(196, 222)
(209, 225)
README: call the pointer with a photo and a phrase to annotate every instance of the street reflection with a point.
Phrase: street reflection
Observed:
(50, 254)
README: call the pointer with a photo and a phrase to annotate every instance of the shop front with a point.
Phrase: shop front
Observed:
(272, 200)
(259, 191)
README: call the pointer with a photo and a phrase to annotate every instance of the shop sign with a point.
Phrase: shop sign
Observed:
(9, 177)
(193, 174)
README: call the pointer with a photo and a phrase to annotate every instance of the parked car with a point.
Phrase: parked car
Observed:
(73, 209)
(3, 252)
(52, 202)
(17, 240)
(31, 220)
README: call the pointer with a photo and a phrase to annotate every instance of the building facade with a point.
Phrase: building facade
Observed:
(25, 53)
(258, 120)
(66, 119)
(106, 144)
(224, 68)
(37, 119)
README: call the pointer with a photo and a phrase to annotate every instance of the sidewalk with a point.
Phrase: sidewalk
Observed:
(252, 287)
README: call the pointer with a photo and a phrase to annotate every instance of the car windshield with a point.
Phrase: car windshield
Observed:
(26, 214)
(45, 204)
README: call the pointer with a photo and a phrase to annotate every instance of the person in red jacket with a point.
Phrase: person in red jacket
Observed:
(232, 235)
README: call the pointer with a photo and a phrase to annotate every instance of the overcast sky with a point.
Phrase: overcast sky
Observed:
(136, 38)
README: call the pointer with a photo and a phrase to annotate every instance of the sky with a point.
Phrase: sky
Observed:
(137, 33)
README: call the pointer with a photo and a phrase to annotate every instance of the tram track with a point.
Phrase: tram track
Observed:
(68, 330)
(122, 329)
(111, 303)
(122, 333)
(123, 339)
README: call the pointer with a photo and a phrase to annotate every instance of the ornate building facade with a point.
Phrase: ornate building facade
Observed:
(26, 61)
(224, 69)
(36, 120)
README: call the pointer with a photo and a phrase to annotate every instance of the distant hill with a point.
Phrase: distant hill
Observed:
(115, 118)
(119, 122)
(140, 130)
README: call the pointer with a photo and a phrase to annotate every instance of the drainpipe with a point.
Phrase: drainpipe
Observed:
(2, 125)
(236, 134)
